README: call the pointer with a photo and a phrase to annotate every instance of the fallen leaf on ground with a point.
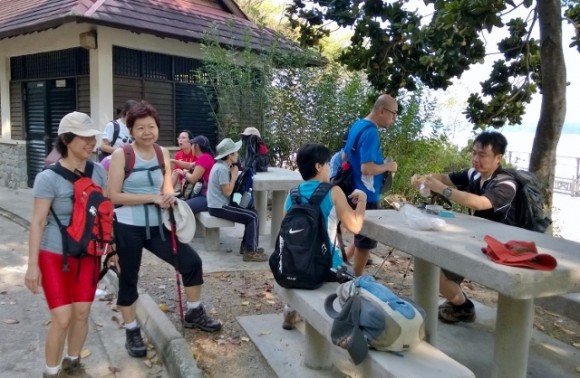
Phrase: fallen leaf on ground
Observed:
(10, 321)
(245, 303)
(163, 307)
(85, 353)
(540, 327)
(565, 330)
(268, 295)
(148, 363)
(265, 333)
(271, 302)
(245, 339)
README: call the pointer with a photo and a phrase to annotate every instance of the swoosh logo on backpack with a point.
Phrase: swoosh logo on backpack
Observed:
(291, 231)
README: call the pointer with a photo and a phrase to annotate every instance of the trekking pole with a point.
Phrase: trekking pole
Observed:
(177, 275)
(384, 261)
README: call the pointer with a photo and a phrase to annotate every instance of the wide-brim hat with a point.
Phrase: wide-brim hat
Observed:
(184, 221)
(226, 147)
(79, 124)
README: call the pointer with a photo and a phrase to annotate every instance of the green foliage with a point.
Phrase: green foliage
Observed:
(399, 49)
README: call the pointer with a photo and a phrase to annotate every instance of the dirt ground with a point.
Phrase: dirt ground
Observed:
(230, 353)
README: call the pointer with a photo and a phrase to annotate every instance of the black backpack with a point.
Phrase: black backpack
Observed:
(302, 258)
(251, 155)
(529, 201)
(116, 130)
(242, 195)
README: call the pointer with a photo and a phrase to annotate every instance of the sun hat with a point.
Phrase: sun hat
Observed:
(226, 147)
(251, 131)
(200, 140)
(79, 124)
(184, 221)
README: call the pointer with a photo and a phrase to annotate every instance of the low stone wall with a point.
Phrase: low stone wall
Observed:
(13, 172)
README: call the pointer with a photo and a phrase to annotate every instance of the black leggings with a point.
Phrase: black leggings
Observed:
(130, 243)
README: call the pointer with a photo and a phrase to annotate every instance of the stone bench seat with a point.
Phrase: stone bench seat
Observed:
(212, 226)
(424, 360)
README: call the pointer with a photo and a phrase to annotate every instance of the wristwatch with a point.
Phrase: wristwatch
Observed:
(447, 192)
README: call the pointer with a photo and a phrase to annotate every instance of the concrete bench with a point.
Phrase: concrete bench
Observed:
(424, 360)
(212, 226)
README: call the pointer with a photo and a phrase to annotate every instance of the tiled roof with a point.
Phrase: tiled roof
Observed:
(179, 19)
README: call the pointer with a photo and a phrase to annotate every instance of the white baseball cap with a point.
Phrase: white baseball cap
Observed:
(79, 124)
(251, 131)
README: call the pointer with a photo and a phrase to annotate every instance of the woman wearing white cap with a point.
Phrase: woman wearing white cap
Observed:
(139, 225)
(222, 180)
(69, 295)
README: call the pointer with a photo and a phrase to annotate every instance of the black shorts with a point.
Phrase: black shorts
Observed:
(453, 276)
(362, 241)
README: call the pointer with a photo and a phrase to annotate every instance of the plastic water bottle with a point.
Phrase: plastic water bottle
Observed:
(246, 198)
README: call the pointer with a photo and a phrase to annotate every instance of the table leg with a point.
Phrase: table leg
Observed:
(425, 293)
(261, 204)
(278, 198)
(513, 332)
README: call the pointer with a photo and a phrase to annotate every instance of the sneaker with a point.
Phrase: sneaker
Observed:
(255, 256)
(74, 368)
(134, 344)
(198, 318)
(450, 313)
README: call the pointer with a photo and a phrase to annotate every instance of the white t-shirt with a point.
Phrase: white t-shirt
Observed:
(124, 135)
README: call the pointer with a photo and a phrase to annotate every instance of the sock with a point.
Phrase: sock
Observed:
(73, 358)
(52, 370)
(193, 305)
(467, 304)
(131, 325)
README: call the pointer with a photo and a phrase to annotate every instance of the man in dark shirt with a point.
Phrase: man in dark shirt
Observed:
(489, 193)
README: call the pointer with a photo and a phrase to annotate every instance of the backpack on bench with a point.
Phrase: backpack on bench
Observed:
(372, 315)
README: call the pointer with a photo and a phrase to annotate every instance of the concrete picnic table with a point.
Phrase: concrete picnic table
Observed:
(279, 181)
(457, 248)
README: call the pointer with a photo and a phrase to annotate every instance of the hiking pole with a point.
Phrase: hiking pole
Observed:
(384, 261)
(177, 275)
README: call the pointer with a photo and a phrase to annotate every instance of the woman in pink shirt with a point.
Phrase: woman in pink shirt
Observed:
(200, 173)
(184, 158)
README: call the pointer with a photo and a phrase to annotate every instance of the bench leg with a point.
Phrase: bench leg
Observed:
(317, 354)
(212, 238)
(513, 332)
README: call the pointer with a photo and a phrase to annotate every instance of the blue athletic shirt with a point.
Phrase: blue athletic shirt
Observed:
(368, 150)
(330, 218)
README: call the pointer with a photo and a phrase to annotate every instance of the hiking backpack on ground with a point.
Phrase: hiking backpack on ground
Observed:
(529, 201)
(242, 195)
(116, 131)
(302, 258)
(91, 224)
(372, 315)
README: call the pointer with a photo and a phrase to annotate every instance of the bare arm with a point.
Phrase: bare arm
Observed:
(373, 169)
(470, 200)
(228, 188)
(182, 164)
(106, 146)
(196, 175)
(352, 219)
(39, 215)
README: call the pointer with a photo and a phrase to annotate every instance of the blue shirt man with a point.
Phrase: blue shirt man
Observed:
(369, 167)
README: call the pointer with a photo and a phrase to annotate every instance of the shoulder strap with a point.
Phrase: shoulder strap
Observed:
(319, 193)
(358, 136)
(129, 159)
(160, 157)
(295, 195)
(116, 131)
(69, 175)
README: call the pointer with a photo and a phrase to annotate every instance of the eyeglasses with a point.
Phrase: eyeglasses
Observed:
(391, 111)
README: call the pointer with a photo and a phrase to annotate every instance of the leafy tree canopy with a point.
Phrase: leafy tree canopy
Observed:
(399, 49)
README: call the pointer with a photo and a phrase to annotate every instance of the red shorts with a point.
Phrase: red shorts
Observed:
(63, 288)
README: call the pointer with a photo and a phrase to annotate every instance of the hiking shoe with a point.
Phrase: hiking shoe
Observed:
(242, 249)
(255, 256)
(451, 314)
(134, 344)
(74, 368)
(198, 318)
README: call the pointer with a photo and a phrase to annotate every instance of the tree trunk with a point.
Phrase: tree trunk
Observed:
(553, 110)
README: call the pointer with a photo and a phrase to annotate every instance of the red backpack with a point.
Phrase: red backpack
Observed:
(90, 231)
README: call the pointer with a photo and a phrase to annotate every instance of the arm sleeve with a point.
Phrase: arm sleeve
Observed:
(501, 193)
(223, 176)
(368, 145)
(109, 130)
(44, 186)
